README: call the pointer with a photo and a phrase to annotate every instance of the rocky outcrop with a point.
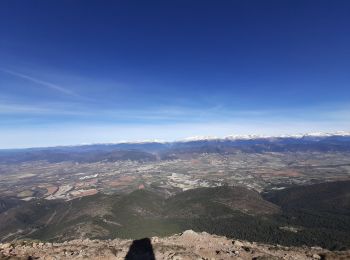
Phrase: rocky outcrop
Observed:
(188, 245)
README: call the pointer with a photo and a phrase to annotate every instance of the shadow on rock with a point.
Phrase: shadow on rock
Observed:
(140, 249)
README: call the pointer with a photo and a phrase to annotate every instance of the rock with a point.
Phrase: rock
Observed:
(316, 256)
(237, 243)
(49, 245)
(189, 233)
(6, 246)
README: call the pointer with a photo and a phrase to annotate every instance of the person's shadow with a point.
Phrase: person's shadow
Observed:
(140, 249)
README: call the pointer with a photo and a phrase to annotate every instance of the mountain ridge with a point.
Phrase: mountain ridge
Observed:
(197, 139)
(230, 211)
(185, 246)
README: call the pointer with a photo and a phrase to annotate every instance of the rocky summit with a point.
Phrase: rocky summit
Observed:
(187, 245)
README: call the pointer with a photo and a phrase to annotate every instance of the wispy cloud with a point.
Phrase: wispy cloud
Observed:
(81, 111)
(38, 110)
(162, 114)
(40, 82)
(49, 124)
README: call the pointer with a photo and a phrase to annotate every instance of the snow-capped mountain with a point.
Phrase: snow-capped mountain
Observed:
(255, 136)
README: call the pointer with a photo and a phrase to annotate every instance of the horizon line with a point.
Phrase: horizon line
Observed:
(196, 139)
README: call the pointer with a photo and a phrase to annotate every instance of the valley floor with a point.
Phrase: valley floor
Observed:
(188, 245)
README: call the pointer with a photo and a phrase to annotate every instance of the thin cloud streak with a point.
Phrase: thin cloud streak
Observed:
(80, 111)
(41, 82)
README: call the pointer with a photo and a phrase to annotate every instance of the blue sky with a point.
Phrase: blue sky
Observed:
(76, 72)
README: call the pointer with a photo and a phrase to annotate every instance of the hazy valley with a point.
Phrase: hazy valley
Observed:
(289, 191)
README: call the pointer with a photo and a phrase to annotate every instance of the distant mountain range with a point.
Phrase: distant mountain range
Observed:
(144, 143)
(155, 150)
(252, 137)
